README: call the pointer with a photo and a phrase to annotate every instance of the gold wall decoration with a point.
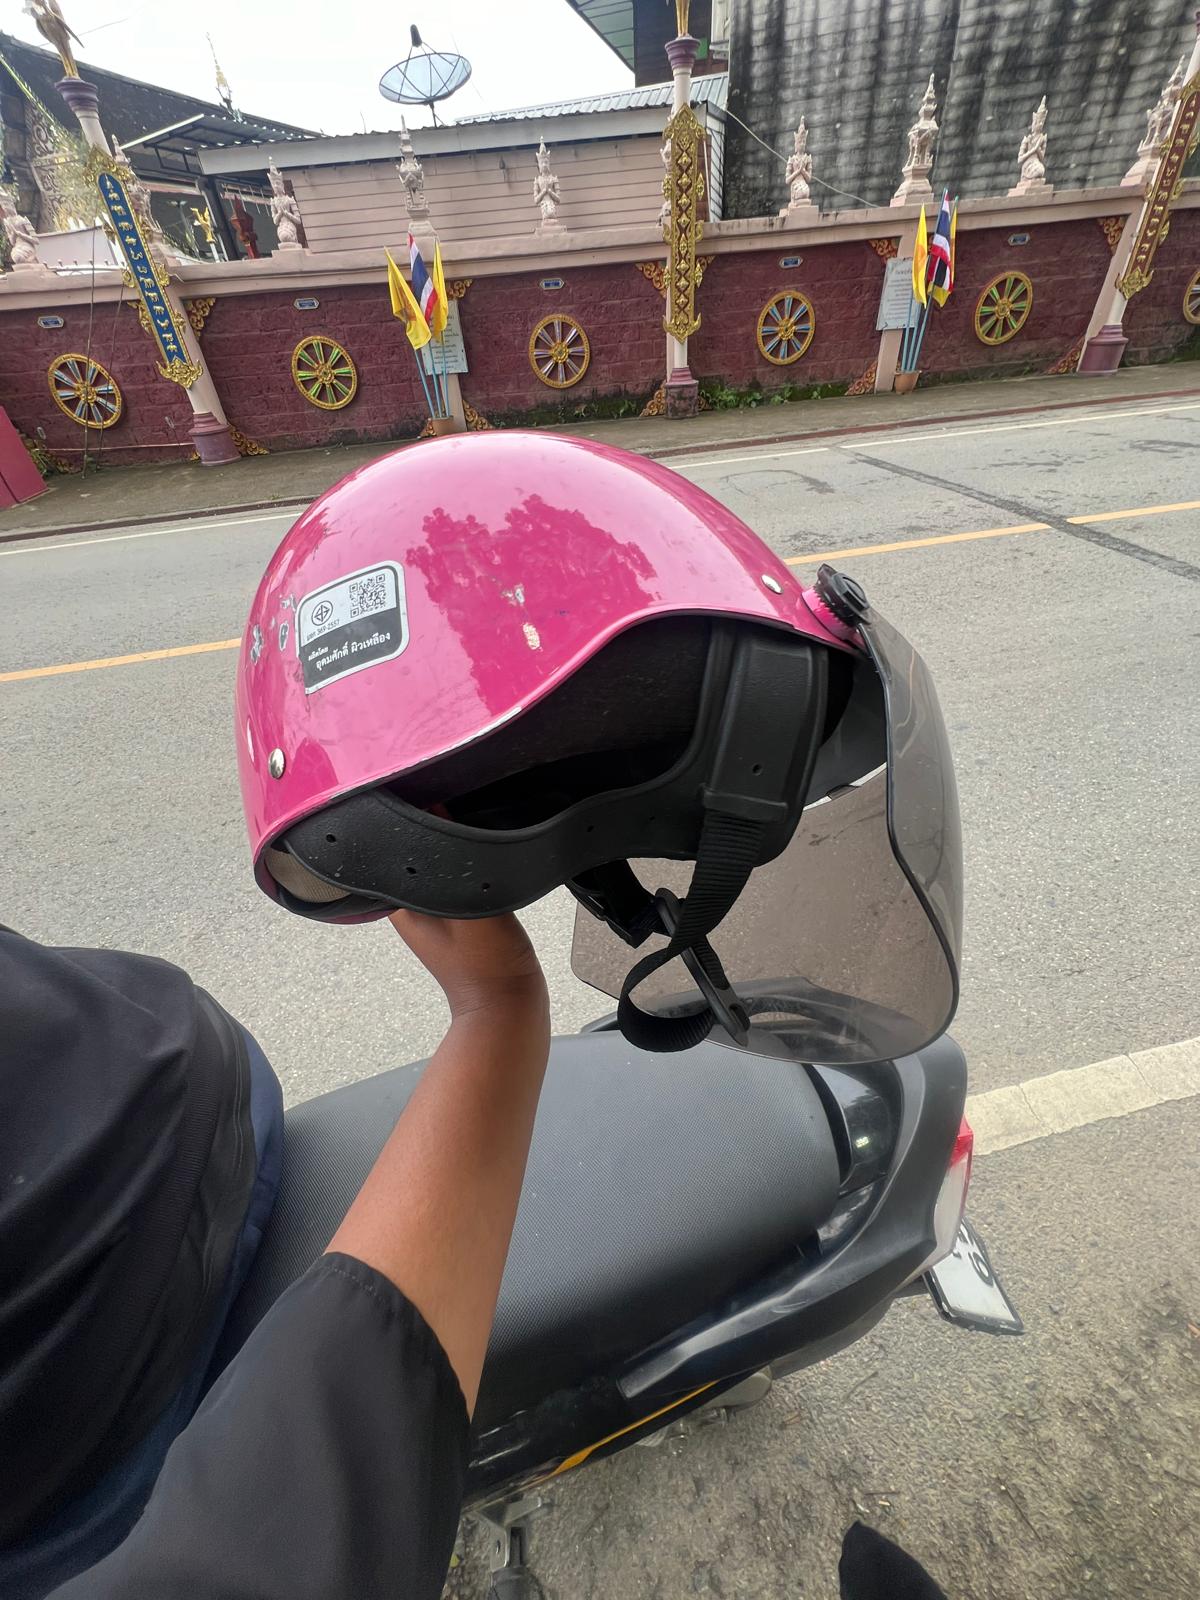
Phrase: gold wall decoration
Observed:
(457, 287)
(656, 271)
(1070, 361)
(1003, 308)
(84, 390)
(683, 188)
(885, 249)
(476, 421)
(656, 406)
(184, 373)
(1168, 183)
(559, 351)
(1191, 300)
(866, 383)
(785, 329)
(324, 372)
(198, 311)
(1112, 228)
(245, 445)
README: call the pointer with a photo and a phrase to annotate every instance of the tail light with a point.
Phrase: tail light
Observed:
(952, 1196)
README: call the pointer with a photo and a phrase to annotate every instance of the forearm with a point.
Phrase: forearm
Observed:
(437, 1211)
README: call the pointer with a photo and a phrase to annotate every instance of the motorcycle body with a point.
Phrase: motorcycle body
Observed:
(689, 1225)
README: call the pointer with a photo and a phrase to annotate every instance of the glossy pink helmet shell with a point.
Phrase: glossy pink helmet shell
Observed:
(516, 556)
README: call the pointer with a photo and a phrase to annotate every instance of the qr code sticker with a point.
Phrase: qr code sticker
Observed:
(368, 594)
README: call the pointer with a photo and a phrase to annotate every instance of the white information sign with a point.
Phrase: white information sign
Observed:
(456, 349)
(897, 295)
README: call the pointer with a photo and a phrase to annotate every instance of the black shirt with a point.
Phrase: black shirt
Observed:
(327, 1461)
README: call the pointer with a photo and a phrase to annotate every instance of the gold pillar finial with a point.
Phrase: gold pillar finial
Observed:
(681, 17)
(224, 92)
(53, 27)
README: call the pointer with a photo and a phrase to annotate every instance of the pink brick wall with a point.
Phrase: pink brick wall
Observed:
(841, 281)
(248, 340)
(1154, 319)
(117, 343)
(248, 343)
(1066, 263)
(618, 308)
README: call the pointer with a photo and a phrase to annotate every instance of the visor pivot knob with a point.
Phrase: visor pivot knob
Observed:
(276, 762)
(845, 598)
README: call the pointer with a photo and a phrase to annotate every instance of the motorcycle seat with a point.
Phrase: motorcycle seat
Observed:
(657, 1186)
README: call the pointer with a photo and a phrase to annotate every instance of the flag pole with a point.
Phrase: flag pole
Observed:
(908, 323)
(424, 382)
(441, 339)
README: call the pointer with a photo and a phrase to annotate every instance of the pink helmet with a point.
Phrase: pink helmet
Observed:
(494, 664)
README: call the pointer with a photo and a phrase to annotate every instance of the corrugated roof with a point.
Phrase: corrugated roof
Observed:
(612, 20)
(710, 88)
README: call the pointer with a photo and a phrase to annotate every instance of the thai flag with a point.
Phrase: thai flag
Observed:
(941, 254)
(422, 281)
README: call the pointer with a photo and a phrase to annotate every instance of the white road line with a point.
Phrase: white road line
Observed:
(925, 435)
(1060, 1101)
(919, 435)
(756, 455)
(34, 549)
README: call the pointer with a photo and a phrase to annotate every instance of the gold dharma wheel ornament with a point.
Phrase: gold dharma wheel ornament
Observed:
(324, 372)
(1191, 301)
(84, 391)
(785, 328)
(1003, 308)
(559, 351)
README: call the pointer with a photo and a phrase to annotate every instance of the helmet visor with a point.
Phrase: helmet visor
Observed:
(849, 941)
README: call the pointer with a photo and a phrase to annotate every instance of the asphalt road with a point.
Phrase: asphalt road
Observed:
(1066, 656)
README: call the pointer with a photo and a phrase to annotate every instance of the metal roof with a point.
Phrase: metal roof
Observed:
(612, 20)
(710, 88)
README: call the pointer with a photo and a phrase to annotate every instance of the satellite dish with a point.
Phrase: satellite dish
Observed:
(425, 76)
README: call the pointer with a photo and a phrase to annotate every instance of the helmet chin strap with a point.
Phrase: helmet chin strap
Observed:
(770, 730)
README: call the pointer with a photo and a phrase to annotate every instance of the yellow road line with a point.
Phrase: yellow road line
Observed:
(791, 561)
(989, 533)
(120, 661)
(1137, 511)
(914, 544)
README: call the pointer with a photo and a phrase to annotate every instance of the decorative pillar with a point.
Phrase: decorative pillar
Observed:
(148, 274)
(914, 185)
(1031, 157)
(1158, 126)
(1104, 350)
(798, 176)
(683, 188)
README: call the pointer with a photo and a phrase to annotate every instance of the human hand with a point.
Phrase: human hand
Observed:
(479, 964)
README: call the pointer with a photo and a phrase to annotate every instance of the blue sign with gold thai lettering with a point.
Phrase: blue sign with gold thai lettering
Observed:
(145, 278)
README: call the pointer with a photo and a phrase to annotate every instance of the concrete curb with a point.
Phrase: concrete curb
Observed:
(140, 522)
(666, 453)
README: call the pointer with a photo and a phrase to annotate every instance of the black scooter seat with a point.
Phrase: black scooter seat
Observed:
(656, 1187)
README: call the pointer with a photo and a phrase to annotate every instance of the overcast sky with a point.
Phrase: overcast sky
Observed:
(319, 64)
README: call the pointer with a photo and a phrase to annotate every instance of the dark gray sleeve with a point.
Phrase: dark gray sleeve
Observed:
(328, 1459)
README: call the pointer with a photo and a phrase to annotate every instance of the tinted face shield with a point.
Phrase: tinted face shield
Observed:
(848, 942)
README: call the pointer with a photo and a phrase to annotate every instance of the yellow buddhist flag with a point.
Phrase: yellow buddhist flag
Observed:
(920, 259)
(441, 306)
(405, 307)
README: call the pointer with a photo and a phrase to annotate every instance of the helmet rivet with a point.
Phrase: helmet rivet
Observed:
(276, 762)
(772, 583)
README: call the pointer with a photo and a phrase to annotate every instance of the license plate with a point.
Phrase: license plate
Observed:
(966, 1290)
